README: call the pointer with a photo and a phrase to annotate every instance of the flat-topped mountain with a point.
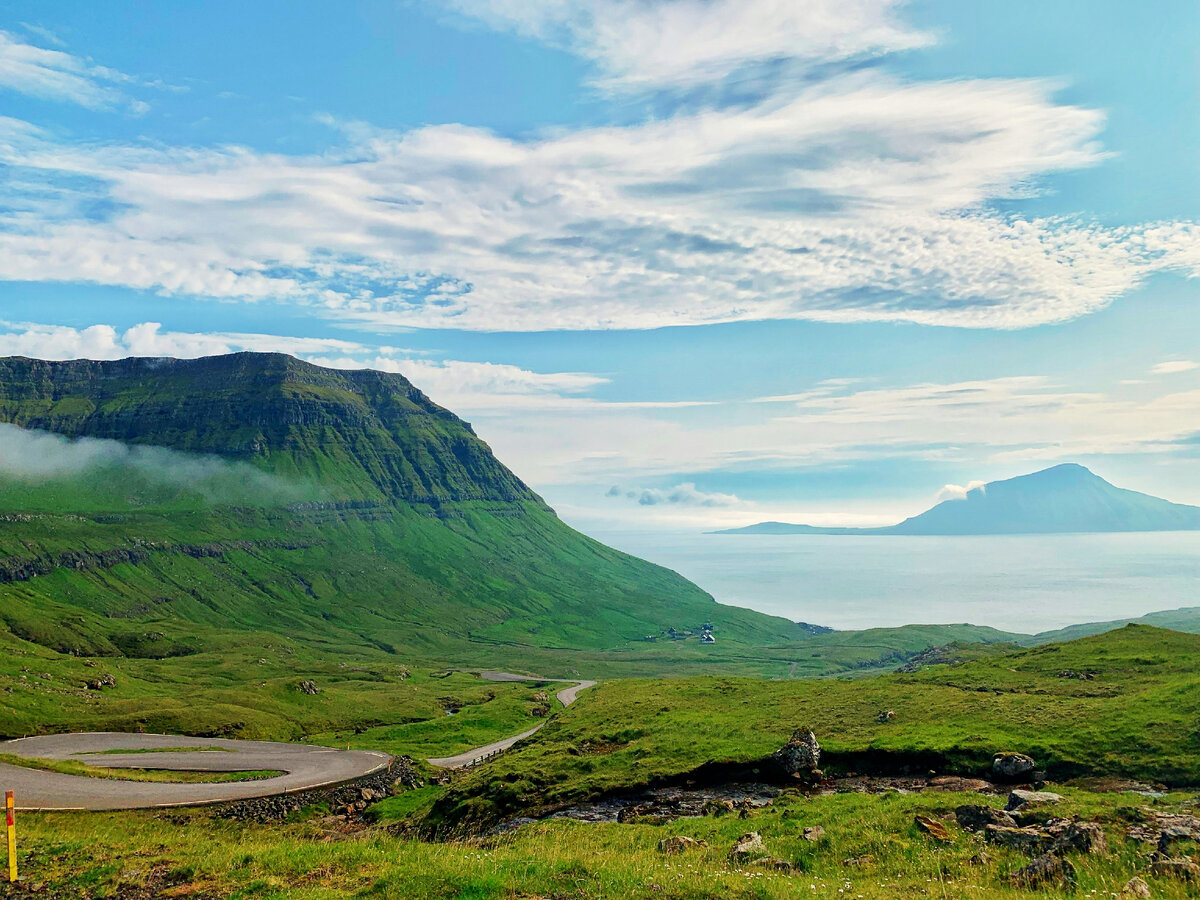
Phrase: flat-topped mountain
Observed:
(1062, 499)
(158, 507)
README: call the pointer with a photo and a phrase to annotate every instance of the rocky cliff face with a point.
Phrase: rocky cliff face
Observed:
(370, 434)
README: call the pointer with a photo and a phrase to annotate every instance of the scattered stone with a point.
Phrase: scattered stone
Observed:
(1046, 869)
(679, 843)
(859, 862)
(953, 784)
(772, 862)
(934, 829)
(1072, 673)
(541, 697)
(813, 833)
(801, 755)
(99, 684)
(308, 687)
(1136, 887)
(717, 807)
(1012, 766)
(977, 818)
(1182, 868)
(749, 846)
(884, 717)
(1019, 798)
(540, 710)
(1027, 840)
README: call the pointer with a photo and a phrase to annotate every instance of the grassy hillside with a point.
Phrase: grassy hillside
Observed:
(1136, 717)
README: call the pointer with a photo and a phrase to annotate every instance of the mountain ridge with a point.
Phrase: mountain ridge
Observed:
(1063, 499)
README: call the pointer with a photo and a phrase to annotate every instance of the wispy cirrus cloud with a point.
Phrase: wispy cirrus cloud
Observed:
(639, 45)
(1174, 366)
(61, 76)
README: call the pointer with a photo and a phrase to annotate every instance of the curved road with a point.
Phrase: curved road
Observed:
(566, 697)
(305, 767)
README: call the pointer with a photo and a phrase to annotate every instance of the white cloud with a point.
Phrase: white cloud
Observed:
(958, 491)
(637, 44)
(858, 199)
(58, 75)
(1174, 366)
(684, 494)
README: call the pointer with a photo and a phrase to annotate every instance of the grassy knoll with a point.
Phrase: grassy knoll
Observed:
(161, 776)
(1138, 717)
(190, 854)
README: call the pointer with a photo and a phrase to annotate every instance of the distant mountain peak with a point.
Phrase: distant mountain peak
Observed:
(1064, 498)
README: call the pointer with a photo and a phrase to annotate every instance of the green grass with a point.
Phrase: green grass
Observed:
(1139, 717)
(162, 776)
(320, 860)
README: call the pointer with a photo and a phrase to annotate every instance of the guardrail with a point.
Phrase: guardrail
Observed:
(480, 760)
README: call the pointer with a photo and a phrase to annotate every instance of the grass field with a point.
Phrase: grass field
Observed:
(160, 776)
(1138, 716)
(189, 854)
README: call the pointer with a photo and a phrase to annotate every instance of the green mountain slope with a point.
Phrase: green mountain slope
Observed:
(1062, 499)
(343, 509)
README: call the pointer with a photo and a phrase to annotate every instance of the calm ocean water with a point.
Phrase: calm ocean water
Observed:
(1025, 583)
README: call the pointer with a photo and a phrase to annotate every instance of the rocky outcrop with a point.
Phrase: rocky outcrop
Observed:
(749, 847)
(1019, 799)
(679, 843)
(1047, 869)
(308, 687)
(976, 818)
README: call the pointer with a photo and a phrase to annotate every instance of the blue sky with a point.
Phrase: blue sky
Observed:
(737, 260)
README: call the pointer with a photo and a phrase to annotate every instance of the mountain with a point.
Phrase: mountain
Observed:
(1062, 499)
(160, 508)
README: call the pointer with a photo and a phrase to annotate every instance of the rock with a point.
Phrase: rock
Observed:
(1012, 766)
(1046, 869)
(1081, 837)
(749, 846)
(1019, 798)
(308, 687)
(1136, 887)
(955, 785)
(540, 710)
(859, 862)
(813, 833)
(678, 843)
(541, 697)
(801, 755)
(884, 717)
(716, 807)
(1184, 869)
(934, 829)
(772, 862)
(1027, 840)
(1072, 673)
(98, 684)
(976, 818)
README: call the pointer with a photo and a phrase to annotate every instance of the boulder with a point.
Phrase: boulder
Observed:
(801, 755)
(1046, 869)
(748, 847)
(1136, 887)
(1019, 798)
(1080, 837)
(1027, 840)
(976, 818)
(308, 687)
(1012, 766)
(714, 807)
(813, 833)
(884, 717)
(934, 829)
(678, 843)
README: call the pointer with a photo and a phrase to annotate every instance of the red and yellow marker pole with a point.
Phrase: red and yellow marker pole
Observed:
(11, 826)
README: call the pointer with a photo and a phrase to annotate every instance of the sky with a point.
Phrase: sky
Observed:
(682, 263)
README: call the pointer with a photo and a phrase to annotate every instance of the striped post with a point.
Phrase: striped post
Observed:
(11, 827)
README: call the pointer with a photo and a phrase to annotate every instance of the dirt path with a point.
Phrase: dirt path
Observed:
(566, 697)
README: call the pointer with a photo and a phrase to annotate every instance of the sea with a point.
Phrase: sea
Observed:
(1021, 583)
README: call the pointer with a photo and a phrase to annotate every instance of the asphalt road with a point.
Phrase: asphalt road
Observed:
(305, 767)
(566, 697)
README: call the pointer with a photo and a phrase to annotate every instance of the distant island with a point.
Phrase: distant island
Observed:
(1063, 499)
